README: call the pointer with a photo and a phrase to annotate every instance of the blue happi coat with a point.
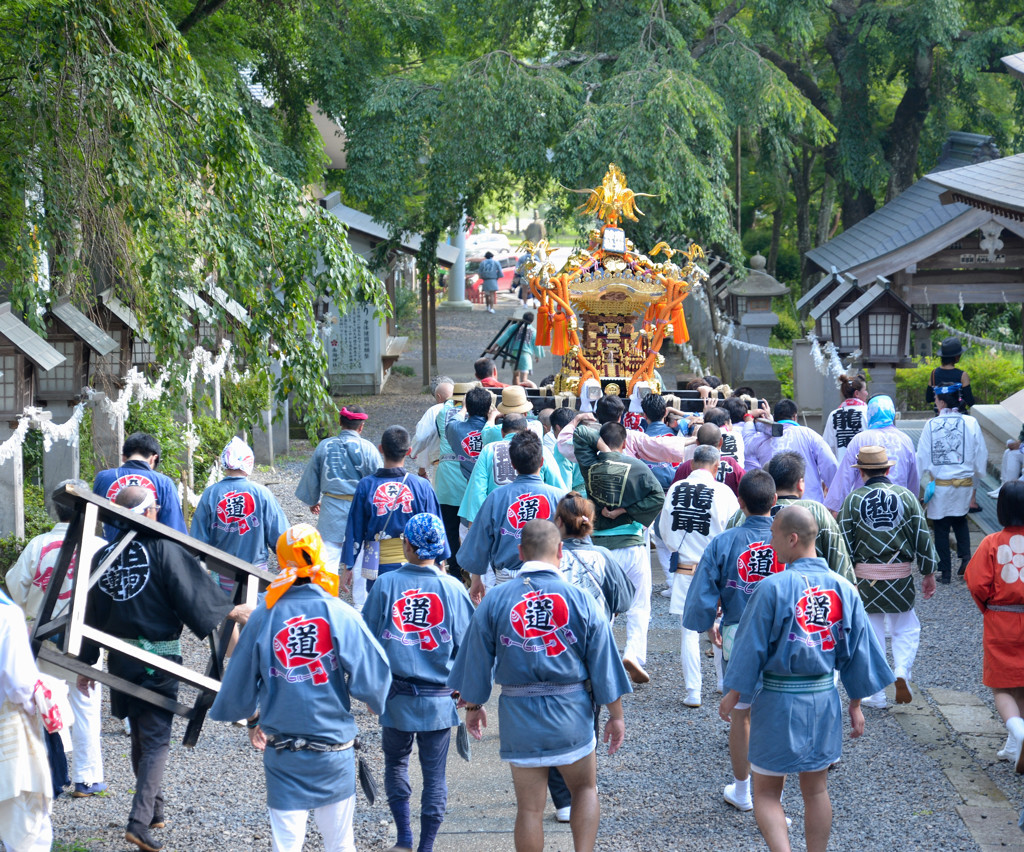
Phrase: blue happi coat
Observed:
(331, 477)
(534, 629)
(419, 616)
(301, 663)
(493, 469)
(735, 561)
(240, 517)
(384, 503)
(458, 452)
(803, 623)
(134, 472)
(494, 536)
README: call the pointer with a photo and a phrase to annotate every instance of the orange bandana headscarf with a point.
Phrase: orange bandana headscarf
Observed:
(300, 554)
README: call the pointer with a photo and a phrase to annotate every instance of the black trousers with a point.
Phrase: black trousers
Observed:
(963, 540)
(151, 742)
(450, 518)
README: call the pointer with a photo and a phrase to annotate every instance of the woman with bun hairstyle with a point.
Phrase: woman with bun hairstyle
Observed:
(851, 416)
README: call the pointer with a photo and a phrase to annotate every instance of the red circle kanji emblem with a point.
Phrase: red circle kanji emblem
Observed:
(817, 611)
(541, 616)
(528, 507)
(236, 507)
(302, 643)
(419, 613)
(128, 480)
(757, 562)
(472, 444)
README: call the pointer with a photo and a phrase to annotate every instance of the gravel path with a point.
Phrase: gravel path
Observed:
(663, 791)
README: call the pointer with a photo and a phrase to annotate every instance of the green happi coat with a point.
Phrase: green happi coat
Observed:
(884, 523)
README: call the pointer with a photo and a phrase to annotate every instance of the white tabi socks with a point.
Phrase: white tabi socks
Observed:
(1015, 727)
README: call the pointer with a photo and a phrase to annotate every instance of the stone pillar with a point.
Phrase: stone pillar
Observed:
(758, 371)
(263, 438)
(456, 300)
(12, 491)
(107, 437)
(62, 460)
(883, 379)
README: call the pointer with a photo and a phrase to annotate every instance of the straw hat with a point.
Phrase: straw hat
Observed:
(461, 389)
(872, 457)
(514, 401)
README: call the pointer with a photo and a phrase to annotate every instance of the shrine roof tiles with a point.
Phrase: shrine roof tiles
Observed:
(83, 327)
(990, 185)
(832, 299)
(26, 341)
(1015, 64)
(120, 310)
(911, 215)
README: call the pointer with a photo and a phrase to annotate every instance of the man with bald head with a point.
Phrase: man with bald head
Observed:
(729, 471)
(151, 590)
(803, 623)
(426, 442)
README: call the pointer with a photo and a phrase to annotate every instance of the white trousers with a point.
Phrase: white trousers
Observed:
(25, 823)
(288, 828)
(664, 558)
(332, 556)
(905, 636)
(636, 562)
(1012, 467)
(690, 644)
(87, 756)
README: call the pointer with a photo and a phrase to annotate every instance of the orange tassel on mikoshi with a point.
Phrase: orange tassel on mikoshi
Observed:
(559, 335)
(544, 325)
(680, 333)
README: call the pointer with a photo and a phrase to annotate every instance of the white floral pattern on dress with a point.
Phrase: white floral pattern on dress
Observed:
(1011, 559)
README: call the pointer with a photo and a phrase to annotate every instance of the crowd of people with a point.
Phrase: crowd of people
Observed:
(496, 544)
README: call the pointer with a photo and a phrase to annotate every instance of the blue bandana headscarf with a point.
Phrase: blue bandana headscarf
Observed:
(881, 412)
(425, 533)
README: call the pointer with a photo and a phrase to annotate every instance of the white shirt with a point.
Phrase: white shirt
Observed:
(686, 523)
(426, 442)
(951, 447)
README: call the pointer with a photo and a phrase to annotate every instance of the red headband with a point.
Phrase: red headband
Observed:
(352, 415)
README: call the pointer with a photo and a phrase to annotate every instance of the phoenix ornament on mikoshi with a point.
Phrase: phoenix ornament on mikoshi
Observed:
(608, 310)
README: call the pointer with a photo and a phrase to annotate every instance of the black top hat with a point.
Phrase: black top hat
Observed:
(951, 348)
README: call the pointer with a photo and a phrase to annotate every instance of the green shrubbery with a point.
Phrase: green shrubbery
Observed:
(993, 378)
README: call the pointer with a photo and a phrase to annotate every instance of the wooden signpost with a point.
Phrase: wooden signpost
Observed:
(60, 630)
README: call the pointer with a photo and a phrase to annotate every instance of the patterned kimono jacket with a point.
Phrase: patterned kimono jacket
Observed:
(593, 568)
(301, 663)
(382, 505)
(461, 442)
(240, 517)
(829, 544)
(494, 468)
(420, 617)
(540, 632)
(494, 536)
(802, 624)
(134, 472)
(843, 424)
(952, 449)
(331, 477)
(995, 577)
(898, 446)
(729, 571)
(883, 523)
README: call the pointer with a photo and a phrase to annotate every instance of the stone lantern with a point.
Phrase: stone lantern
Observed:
(750, 301)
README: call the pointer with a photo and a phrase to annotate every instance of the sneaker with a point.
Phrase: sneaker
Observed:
(140, 836)
(562, 814)
(729, 794)
(877, 702)
(692, 698)
(666, 593)
(81, 790)
(635, 670)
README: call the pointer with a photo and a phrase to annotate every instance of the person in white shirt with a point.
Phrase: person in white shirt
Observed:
(426, 442)
(696, 510)
(850, 418)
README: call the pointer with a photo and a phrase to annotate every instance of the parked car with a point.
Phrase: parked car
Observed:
(479, 243)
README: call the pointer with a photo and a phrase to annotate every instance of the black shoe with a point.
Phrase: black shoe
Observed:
(157, 821)
(963, 566)
(140, 836)
(944, 578)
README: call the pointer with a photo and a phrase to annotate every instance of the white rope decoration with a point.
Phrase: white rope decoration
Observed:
(12, 446)
(835, 366)
(981, 341)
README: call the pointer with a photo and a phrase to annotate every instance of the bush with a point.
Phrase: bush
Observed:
(788, 329)
(993, 378)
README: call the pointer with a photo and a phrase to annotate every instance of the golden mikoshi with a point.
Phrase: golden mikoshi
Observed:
(608, 310)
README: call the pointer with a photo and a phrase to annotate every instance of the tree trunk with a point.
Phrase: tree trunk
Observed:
(904, 136)
(828, 199)
(773, 249)
(800, 171)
